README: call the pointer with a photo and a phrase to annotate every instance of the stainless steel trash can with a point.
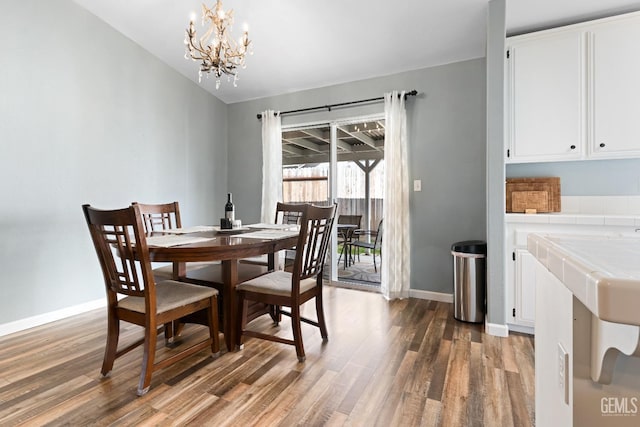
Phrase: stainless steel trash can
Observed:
(470, 280)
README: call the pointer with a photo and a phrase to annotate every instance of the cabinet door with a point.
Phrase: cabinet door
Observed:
(525, 292)
(615, 48)
(546, 97)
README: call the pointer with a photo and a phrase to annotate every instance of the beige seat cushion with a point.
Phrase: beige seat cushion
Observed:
(166, 272)
(170, 295)
(275, 283)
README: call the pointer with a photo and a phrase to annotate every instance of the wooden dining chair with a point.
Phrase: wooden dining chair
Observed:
(158, 217)
(165, 216)
(283, 216)
(134, 296)
(287, 215)
(292, 289)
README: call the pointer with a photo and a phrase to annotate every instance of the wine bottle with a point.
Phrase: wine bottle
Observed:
(229, 212)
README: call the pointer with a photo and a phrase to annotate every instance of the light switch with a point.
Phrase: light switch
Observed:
(417, 185)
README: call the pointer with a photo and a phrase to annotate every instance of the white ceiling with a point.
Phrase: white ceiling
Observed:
(303, 44)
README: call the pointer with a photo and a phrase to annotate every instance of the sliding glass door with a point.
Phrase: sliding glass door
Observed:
(342, 162)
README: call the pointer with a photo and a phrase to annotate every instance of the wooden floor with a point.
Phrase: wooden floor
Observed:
(400, 363)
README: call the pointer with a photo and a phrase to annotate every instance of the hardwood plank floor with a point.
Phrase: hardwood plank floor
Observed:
(399, 363)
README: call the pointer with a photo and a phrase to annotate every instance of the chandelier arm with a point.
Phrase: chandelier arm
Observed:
(205, 50)
(193, 48)
(195, 52)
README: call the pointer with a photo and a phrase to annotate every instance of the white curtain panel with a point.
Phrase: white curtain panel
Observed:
(396, 266)
(271, 164)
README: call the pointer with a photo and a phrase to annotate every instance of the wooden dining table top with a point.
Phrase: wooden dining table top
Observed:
(221, 246)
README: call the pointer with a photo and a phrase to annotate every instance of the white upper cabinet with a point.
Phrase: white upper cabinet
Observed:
(573, 93)
(547, 105)
(615, 90)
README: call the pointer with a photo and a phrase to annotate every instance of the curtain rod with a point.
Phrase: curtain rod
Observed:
(342, 104)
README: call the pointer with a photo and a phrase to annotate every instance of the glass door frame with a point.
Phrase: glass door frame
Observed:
(333, 170)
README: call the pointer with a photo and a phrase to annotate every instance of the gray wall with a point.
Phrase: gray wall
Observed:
(446, 147)
(592, 178)
(87, 116)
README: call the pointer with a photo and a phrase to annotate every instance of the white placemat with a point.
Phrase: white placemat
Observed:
(187, 230)
(264, 226)
(168, 240)
(270, 234)
(237, 230)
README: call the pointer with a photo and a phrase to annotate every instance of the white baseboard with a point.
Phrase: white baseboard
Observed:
(496, 329)
(434, 296)
(52, 316)
(522, 329)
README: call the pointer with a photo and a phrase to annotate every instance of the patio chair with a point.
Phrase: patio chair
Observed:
(376, 245)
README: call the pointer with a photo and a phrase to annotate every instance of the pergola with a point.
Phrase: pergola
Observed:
(361, 143)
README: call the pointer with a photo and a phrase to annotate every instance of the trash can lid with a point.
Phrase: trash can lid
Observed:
(470, 247)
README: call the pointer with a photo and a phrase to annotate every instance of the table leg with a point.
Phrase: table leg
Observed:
(271, 261)
(229, 301)
(179, 270)
(179, 273)
(344, 250)
(274, 311)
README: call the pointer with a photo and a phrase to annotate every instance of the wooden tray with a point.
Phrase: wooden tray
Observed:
(540, 194)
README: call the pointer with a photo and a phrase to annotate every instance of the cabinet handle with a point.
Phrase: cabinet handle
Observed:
(602, 145)
(573, 147)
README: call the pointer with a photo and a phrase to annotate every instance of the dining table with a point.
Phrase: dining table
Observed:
(226, 246)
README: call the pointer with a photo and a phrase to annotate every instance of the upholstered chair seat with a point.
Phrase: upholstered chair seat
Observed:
(275, 283)
(169, 295)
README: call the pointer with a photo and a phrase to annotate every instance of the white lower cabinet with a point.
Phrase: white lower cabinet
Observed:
(525, 294)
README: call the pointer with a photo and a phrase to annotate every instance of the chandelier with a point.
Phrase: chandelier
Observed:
(217, 53)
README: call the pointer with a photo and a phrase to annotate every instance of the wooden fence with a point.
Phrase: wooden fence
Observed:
(352, 207)
(311, 186)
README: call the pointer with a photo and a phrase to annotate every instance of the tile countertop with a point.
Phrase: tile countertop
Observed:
(579, 219)
(603, 272)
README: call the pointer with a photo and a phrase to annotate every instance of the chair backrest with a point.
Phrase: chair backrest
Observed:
(378, 241)
(313, 241)
(288, 213)
(118, 236)
(160, 216)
